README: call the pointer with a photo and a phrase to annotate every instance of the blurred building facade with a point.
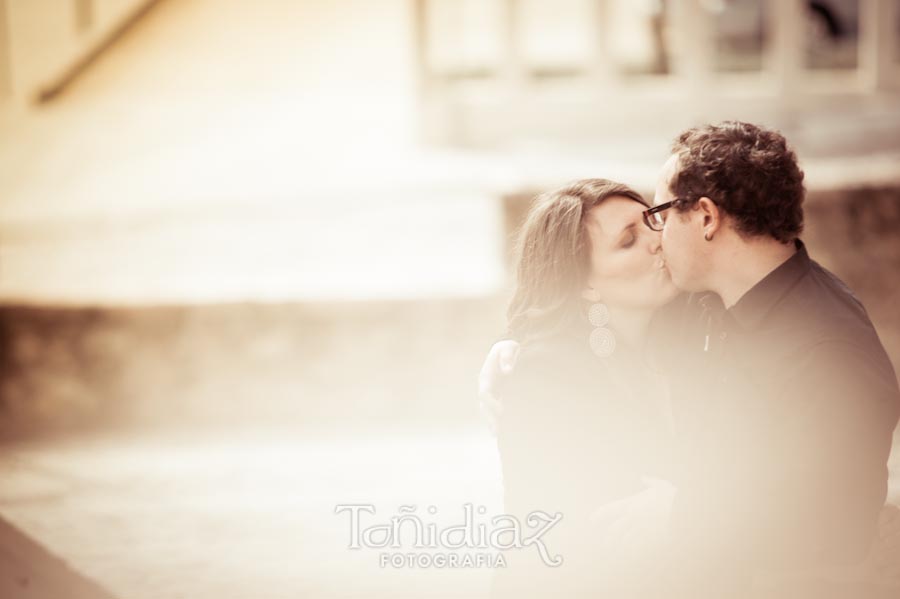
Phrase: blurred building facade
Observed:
(285, 177)
(127, 165)
(517, 71)
(43, 43)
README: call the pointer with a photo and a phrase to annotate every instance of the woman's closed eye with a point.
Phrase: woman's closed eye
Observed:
(627, 241)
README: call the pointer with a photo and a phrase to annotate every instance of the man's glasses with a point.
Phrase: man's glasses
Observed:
(655, 217)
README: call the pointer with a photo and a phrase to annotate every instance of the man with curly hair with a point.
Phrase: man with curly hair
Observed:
(786, 400)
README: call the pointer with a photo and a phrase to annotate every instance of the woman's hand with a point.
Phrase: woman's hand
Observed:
(499, 363)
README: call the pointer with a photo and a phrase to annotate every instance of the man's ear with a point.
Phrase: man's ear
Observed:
(711, 215)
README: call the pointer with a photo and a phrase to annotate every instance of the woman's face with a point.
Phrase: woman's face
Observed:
(627, 269)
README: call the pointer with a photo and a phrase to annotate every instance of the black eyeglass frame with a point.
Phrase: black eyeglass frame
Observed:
(657, 209)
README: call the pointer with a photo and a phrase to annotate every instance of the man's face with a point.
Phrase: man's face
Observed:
(683, 246)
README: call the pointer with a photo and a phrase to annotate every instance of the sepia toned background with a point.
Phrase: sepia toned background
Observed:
(252, 253)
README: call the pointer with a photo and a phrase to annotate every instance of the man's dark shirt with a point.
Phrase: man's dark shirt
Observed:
(785, 406)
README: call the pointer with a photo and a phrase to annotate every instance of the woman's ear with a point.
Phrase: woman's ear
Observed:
(591, 295)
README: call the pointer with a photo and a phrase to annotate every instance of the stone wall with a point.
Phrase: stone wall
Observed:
(304, 366)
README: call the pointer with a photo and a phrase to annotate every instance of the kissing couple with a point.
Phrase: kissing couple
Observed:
(710, 409)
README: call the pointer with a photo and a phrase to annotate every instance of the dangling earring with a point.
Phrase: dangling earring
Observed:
(603, 341)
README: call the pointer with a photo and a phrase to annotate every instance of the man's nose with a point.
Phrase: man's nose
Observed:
(656, 242)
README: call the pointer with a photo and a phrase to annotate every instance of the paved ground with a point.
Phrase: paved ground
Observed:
(241, 516)
(193, 516)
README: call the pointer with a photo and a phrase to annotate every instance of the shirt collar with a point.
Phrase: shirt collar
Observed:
(755, 305)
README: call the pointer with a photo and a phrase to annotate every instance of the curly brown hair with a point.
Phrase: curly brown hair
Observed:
(748, 171)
